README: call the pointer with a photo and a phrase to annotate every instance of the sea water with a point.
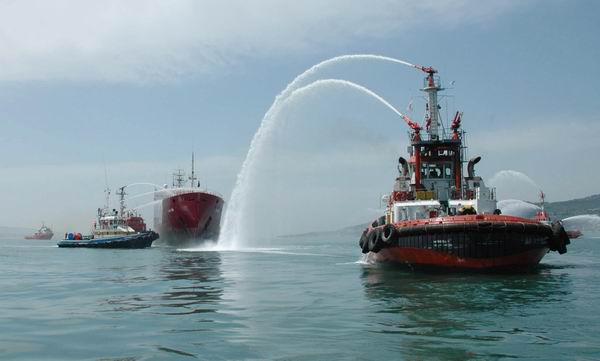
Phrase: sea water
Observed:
(306, 298)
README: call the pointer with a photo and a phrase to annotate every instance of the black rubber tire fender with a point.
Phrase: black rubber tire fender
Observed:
(559, 239)
(375, 243)
(389, 235)
(362, 243)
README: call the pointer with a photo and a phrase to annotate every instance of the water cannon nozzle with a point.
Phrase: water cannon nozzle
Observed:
(427, 69)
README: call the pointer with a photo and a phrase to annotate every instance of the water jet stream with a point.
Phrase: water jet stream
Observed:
(229, 237)
(509, 174)
(166, 191)
(144, 184)
(231, 232)
(152, 203)
(587, 223)
(518, 208)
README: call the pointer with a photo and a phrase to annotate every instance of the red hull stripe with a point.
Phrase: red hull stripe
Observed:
(465, 219)
(428, 257)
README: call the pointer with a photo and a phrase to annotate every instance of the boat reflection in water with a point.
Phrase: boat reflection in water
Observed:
(464, 316)
(194, 283)
(183, 284)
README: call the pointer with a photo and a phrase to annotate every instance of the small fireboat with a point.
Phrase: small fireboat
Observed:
(438, 217)
(121, 228)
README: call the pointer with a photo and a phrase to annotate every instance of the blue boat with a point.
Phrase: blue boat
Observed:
(136, 240)
(114, 229)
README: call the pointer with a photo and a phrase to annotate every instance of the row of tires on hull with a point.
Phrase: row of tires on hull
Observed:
(375, 239)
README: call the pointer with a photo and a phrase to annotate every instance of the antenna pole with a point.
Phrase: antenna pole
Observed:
(193, 176)
(121, 193)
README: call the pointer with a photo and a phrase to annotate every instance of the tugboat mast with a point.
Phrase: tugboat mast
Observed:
(432, 86)
(121, 193)
(107, 204)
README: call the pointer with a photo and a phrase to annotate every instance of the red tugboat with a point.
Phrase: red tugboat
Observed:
(44, 233)
(188, 214)
(437, 217)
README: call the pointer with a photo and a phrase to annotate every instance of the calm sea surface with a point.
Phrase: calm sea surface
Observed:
(301, 299)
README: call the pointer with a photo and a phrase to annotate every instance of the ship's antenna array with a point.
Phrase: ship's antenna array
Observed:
(178, 178)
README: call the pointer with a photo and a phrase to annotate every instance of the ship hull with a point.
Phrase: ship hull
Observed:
(190, 218)
(465, 242)
(138, 240)
(45, 237)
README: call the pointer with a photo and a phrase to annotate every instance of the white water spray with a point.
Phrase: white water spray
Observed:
(503, 179)
(144, 184)
(587, 223)
(297, 82)
(163, 192)
(148, 204)
(518, 208)
(232, 226)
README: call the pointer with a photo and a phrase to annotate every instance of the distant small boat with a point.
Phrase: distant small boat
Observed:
(43, 233)
(113, 229)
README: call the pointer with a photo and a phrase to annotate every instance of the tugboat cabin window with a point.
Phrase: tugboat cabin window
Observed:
(436, 171)
(448, 171)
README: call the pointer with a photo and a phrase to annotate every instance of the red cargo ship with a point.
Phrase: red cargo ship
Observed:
(438, 217)
(188, 214)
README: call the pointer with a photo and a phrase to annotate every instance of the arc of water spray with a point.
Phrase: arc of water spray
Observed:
(152, 203)
(509, 173)
(159, 191)
(144, 184)
(294, 84)
(231, 211)
(231, 224)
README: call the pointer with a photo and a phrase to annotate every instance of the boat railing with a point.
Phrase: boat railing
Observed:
(446, 133)
(437, 82)
(169, 192)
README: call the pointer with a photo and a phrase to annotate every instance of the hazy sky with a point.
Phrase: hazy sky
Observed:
(138, 85)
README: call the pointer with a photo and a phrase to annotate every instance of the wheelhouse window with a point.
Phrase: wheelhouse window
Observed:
(436, 171)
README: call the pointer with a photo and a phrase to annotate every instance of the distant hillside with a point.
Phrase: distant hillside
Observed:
(562, 210)
(346, 231)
